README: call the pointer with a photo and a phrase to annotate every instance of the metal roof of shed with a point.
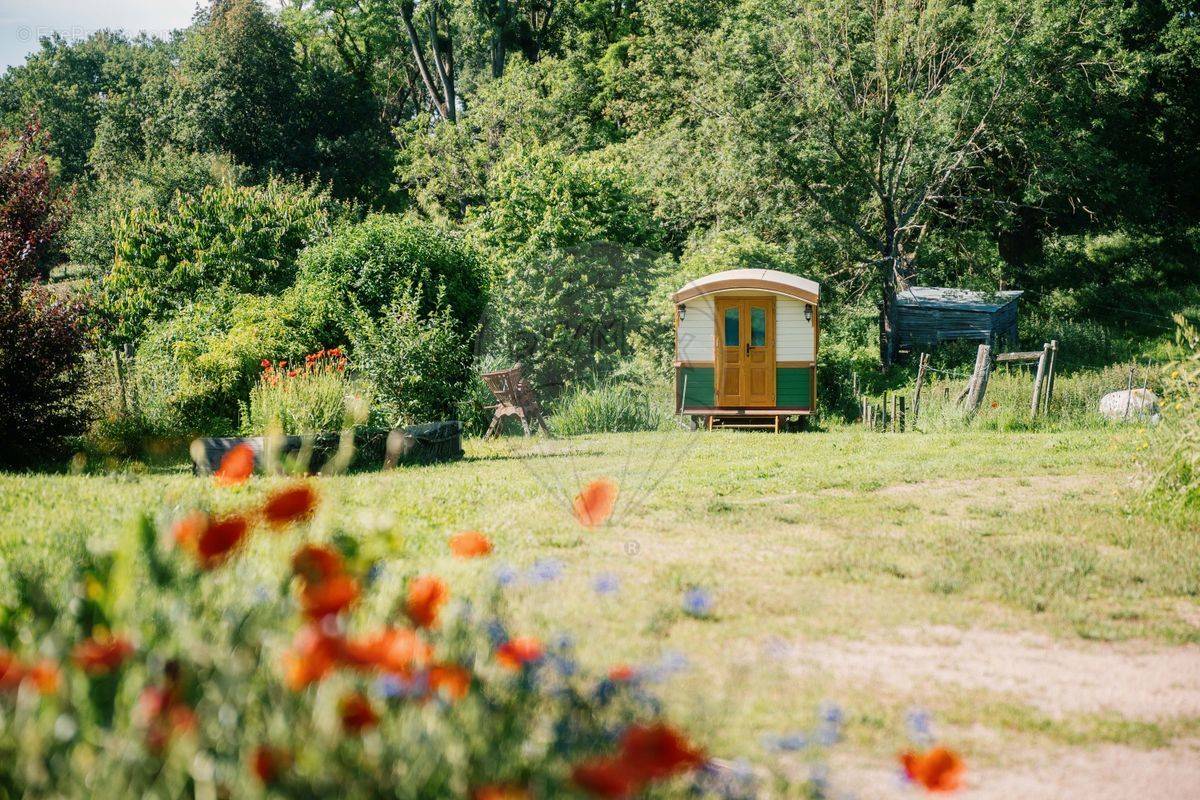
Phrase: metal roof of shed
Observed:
(946, 297)
(770, 280)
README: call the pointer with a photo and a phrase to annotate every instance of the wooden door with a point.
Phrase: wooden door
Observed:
(745, 352)
(758, 317)
(730, 355)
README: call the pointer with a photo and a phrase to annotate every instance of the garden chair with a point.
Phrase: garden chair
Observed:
(514, 398)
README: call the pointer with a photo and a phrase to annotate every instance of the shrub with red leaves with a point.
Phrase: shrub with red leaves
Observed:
(42, 334)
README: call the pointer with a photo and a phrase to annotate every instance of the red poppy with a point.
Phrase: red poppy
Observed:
(606, 777)
(101, 655)
(316, 562)
(164, 715)
(451, 680)
(501, 792)
(219, 538)
(11, 671)
(594, 505)
(265, 364)
(282, 364)
(470, 544)
(332, 595)
(290, 504)
(357, 714)
(186, 530)
(426, 596)
(516, 653)
(236, 465)
(45, 677)
(397, 650)
(621, 673)
(313, 655)
(658, 751)
(937, 770)
(268, 763)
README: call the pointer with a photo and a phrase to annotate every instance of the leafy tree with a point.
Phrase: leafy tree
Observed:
(223, 238)
(32, 211)
(575, 251)
(237, 84)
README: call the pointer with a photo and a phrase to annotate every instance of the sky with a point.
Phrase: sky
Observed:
(22, 22)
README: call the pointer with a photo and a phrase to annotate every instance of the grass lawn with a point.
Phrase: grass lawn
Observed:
(1017, 586)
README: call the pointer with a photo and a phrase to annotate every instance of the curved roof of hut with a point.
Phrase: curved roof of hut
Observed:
(768, 280)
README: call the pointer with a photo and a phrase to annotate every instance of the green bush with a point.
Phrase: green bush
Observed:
(206, 358)
(417, 365)
(229, 238)
(372, 263)
(314, 397)
(575, 251)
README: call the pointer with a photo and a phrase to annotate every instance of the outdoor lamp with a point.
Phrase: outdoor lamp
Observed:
(808, 312)
(682, 311)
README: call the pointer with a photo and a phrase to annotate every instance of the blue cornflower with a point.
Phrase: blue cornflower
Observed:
(545, 570)
(373, 573)
(920, 725)
(496, 632)
(829, 732)
(606, 583)
(697, 602)
(785, 743)
(505, 575)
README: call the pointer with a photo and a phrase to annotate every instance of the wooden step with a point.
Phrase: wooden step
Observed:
(747, 423)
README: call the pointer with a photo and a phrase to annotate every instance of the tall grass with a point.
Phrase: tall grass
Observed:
(612, 408)
(1006, 405)
(1175, 459)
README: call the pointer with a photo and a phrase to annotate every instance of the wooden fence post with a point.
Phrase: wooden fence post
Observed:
(979, 378)
(1036, 400)
(1050, 377)
(1129, 392)
(900, 414)
(922, 368)
(120, 368)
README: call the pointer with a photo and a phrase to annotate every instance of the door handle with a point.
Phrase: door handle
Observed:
(747, 348)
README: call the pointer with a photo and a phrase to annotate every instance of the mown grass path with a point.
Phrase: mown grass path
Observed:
(1017, 586)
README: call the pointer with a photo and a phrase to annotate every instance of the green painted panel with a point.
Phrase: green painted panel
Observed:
(699, 386)
(793, 387)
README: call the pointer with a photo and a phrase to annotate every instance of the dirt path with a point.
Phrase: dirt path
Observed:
(1134, 681)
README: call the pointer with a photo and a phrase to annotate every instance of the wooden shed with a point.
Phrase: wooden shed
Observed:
(921, 317)
(746, 347)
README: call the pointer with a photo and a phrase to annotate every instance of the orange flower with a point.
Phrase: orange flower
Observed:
(164, 716)
(331, 596)
(357, 714)
(187, 530)
(397, 650)
(938, 770)
(516, 653)
(451, 680)
(268, 763)
(470, 544)
(236, 465)
(11, 671)
(102, 655)
(45, 677)
(621, 673)
(501, 791)
(219, 539)
(291, 504)
(313, 655)
(605, 777)
(316, 562)
(426, 595)
(594, 505)
(655, 752)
